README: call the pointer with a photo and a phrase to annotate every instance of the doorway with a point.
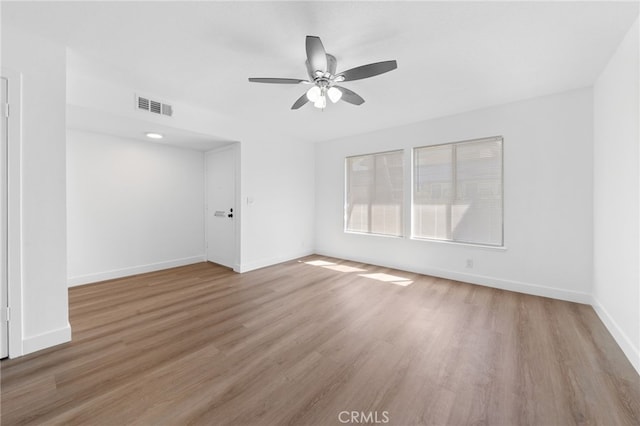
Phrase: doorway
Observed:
(221, 211)
(4, 214)
(10, 214)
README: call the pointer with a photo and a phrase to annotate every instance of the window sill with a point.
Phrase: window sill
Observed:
(446, 242)
(374, 235)
(456, 243)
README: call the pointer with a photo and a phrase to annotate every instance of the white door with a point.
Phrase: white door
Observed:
(4, 125)
(221, 206)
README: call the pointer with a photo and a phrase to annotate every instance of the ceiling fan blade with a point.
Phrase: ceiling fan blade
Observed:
(332, 63)
(301, 101)
(316, 55)
(350, 96)
(369, 70)
(277, 80)
(310, 72)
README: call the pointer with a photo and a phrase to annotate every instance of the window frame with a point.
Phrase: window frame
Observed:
(345, 181)
(412, 235)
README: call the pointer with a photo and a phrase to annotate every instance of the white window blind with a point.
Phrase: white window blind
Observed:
(374, 193)
(457, 192)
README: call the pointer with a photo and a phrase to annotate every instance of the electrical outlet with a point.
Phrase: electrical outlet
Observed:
(469, 263)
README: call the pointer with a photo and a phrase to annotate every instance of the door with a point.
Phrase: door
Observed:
(221, 211)
(4, 277)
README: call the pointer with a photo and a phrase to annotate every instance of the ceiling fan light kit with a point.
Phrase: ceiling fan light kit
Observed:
(334, 94)
(318, 95)
(321, 68)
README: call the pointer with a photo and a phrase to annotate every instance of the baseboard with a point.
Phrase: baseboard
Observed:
(46, 340)
(631, 352)
(263, 263)
(134, 270)
(510, 285)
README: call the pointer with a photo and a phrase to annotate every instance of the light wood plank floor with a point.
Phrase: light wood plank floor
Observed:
(300, 342)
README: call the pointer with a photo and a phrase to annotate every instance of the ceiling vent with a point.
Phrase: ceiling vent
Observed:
(155, 107)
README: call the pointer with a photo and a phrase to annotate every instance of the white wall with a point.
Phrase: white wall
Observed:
(278, 181)
(132, 206)
(44, 313)
(547, 191)
(616, 289)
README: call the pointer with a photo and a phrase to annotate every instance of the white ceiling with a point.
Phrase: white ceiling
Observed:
(452, 56)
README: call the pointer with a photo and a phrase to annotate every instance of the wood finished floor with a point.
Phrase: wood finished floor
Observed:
(297, 343)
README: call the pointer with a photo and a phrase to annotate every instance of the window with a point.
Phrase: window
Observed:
(457, 192)
(374, 193)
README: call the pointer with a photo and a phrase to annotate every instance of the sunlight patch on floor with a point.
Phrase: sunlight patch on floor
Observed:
(334, 266)
(387, 278)
(344, 268)
(319, 263)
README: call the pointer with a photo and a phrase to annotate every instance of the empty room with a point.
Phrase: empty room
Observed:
(320, 213)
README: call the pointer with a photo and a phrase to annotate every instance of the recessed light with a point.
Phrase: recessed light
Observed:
(152, 135)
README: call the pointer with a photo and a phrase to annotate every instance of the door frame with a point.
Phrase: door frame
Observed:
(14, 210)
(237, 210)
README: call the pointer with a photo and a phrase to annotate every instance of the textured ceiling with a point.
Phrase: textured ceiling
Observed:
(452, 56)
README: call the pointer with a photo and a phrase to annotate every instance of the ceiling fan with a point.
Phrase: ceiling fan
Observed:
(321, 68)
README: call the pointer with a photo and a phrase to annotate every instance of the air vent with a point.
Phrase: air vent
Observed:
(155, 107)
(143, 103)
